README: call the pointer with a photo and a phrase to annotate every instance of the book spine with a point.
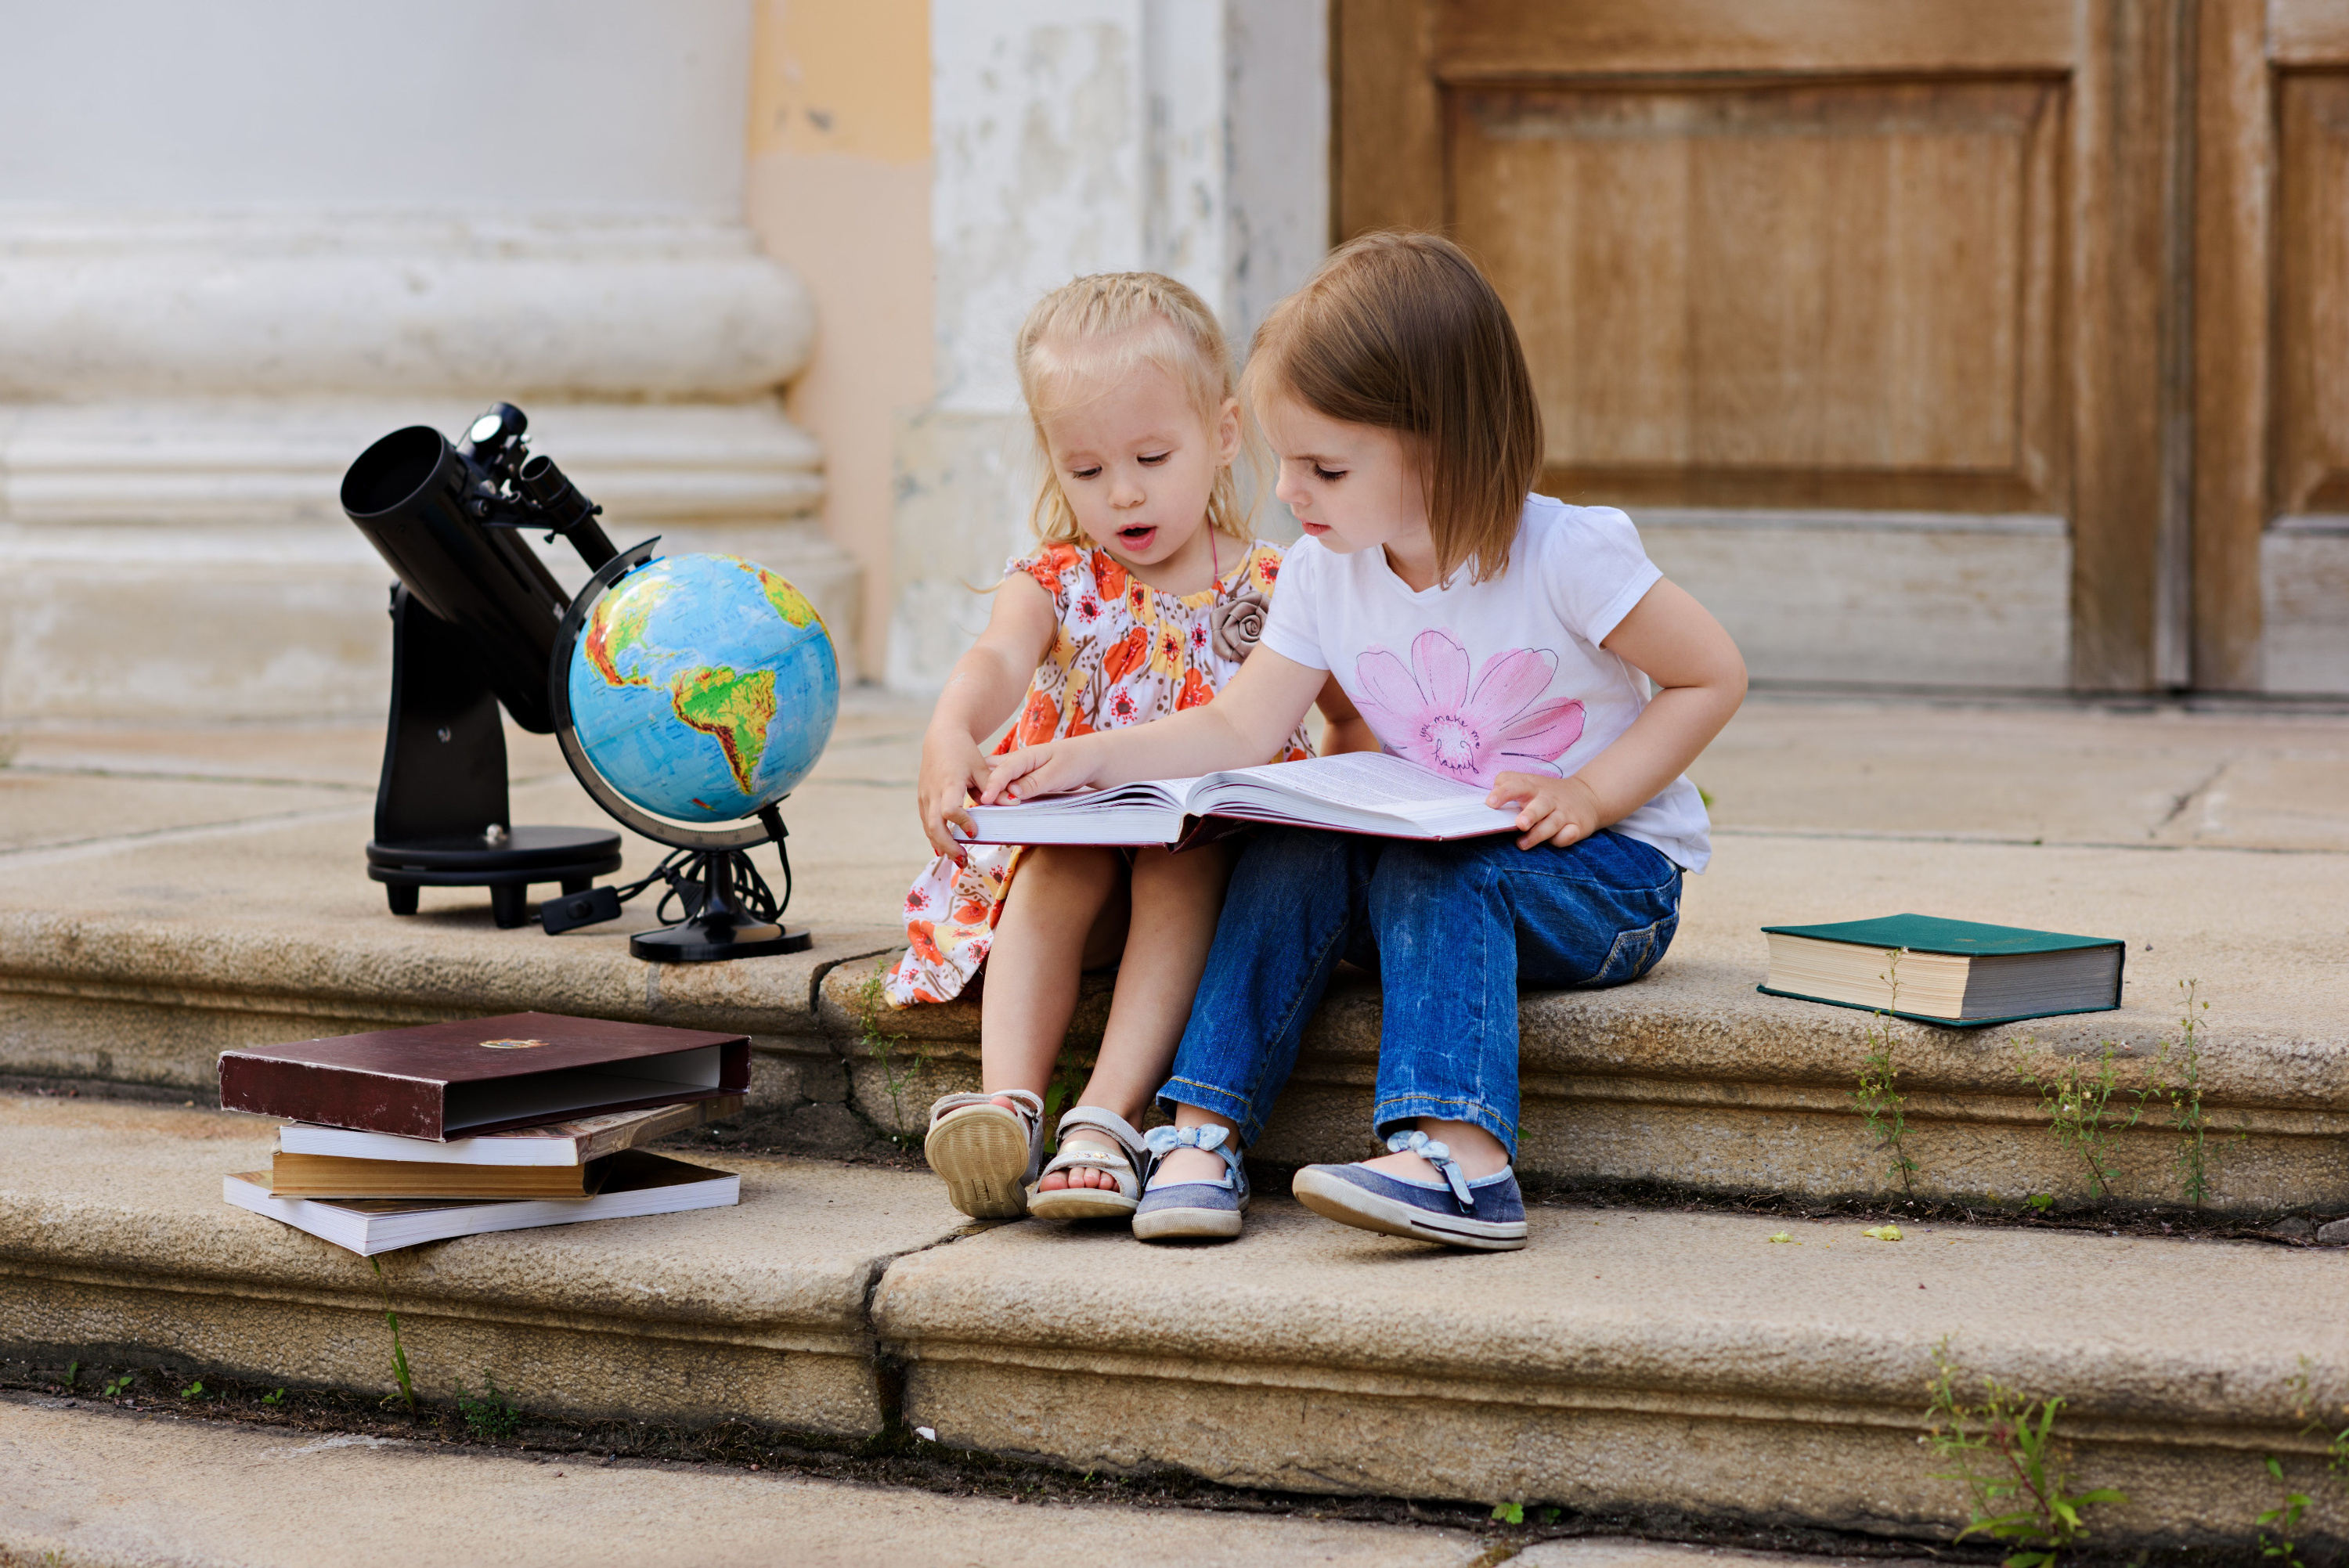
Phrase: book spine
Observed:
(364, 1102)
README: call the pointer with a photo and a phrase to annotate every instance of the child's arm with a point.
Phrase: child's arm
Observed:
(1249, 720)
(980, 694)
(1343, 728)
(1700, 678)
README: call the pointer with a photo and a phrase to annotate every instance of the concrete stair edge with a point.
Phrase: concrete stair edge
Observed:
(1718, 1373)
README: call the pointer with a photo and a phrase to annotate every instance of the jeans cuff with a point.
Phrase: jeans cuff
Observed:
(1393, 1115)
(1223, 1102)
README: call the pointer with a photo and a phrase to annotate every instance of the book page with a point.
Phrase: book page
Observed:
(1366, 779)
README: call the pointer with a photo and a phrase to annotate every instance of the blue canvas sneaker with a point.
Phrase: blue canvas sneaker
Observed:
(1488, 1215)
(1192, 1210)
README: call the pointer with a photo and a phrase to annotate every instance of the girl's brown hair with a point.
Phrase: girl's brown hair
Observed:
(1402, 331)
(1103, 327)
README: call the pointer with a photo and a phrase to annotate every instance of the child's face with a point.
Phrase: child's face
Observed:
(1138, 464)
(1353, 487)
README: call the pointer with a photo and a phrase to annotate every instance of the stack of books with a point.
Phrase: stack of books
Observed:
(406, 1136)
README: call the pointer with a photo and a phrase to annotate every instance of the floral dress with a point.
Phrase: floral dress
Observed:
(1126, 653)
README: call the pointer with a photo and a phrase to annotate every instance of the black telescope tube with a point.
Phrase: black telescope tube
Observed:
(407, 494)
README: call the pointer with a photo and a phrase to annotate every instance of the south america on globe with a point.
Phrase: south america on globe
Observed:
(703, 687)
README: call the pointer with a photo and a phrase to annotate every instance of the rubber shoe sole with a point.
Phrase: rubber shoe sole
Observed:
(982, 1155)
(1333, 1198)
(1081, 1204)
(1180, 1224)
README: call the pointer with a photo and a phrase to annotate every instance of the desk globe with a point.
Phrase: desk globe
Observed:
(691, 691)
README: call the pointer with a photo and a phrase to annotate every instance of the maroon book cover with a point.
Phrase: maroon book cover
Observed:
(483, 1075)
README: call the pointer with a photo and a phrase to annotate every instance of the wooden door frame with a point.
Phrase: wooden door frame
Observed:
(2139, 529)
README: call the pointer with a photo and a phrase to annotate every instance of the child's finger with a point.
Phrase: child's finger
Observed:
(1509, 788)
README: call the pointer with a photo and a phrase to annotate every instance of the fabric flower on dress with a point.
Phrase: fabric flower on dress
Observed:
(1238, 622)
(1428, 713)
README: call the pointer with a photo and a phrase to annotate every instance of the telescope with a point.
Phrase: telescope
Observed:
(474, 618)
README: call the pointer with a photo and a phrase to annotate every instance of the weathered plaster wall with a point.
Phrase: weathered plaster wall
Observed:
(1190, 137)
(839, 188)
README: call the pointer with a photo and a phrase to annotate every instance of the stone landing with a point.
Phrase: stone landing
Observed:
(1639, 1362)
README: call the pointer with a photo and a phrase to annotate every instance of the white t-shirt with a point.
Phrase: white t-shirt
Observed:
(1472, 681)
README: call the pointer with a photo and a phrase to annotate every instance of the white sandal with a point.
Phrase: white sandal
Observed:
(988, 1153)
(1119, 1151)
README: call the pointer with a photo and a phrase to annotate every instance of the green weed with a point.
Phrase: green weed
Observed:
(398, 1352)
(2042, 1201)
(194, 1390)
(871, 1006)
(2284, 1519)
(1509, 1513)
(2177, 1079)
(278, 1398)
(2079, 1105)
(73, 1370)
(1879, 1097)
(117, 1386)
(491, 1414)
(2005, 1452)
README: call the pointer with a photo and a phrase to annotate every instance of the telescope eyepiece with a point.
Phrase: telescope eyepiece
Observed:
(545, 487)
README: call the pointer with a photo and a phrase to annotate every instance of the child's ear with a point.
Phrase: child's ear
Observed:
(1227, 432)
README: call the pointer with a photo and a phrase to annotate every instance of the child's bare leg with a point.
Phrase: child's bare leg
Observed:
(1065, 913)
(1175, 901)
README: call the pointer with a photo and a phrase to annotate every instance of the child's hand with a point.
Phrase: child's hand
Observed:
(1033, 771)
(1555, 810)
(952, 767)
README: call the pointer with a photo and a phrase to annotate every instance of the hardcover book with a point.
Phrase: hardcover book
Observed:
(332, 1176)
(483, 1075)
(574, 1142)
(1356, 792)
(1949, 972)
(638, 1182)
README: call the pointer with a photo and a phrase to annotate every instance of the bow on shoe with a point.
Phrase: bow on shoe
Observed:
(1164, 1140)
(1438, 1155)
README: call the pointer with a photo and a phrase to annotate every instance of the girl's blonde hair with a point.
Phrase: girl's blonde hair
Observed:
(1402, 331)
(1106, 324)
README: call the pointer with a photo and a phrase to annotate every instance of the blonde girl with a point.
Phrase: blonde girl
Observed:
(1144, 595)
(1492, 636)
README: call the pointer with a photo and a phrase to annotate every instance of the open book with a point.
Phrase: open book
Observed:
(1359, 793)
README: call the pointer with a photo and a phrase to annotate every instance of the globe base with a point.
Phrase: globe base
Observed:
(717, 934)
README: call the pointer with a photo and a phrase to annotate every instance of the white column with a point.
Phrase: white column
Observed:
(239, 242)
(1189, 137)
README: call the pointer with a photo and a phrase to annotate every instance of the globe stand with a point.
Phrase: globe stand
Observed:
(729, 909)
(732, 913)
(440, 805)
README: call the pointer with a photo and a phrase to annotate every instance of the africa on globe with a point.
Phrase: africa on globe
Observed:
(703, 687)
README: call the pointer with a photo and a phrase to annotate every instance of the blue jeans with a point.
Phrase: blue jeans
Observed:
(1452, 928)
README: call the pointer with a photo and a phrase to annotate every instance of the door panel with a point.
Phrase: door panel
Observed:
(1828, 296)
(1912, 273)
(2312, 337)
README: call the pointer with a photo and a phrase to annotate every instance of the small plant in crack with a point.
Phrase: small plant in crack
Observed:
(491, 1415)
(2005, 1452)
(872, 1003)
(1878, 1097)
(398, 1351)
(2177, 1079)
(2078, 1099)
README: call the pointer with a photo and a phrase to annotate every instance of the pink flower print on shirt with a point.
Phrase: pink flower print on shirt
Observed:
(1427, 713)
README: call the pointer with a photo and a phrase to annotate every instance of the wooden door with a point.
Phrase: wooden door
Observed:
(2271, 346)
(1842, 274)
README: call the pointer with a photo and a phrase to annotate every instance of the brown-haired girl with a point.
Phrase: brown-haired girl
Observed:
(1488, 634)
(1144, 596)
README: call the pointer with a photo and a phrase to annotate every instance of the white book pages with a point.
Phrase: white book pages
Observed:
(370, 1226)
(1362, 792)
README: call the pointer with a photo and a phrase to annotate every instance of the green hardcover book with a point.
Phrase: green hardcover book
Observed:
(1951, 972)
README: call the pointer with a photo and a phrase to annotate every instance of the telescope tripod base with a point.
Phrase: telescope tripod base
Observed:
(709, 937)
(572, 857)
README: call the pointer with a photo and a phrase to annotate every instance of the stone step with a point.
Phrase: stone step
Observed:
(1641, 1363)
(1688, 1076)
